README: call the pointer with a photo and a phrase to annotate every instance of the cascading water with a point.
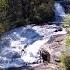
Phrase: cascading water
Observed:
(59, 13)
(25, 42)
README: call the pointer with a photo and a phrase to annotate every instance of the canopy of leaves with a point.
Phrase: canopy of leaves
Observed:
(21, 12)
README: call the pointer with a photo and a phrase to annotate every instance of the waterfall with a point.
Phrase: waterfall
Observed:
(59, 13)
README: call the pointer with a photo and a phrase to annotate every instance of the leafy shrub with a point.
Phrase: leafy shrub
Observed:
(65, 58)
(67, 41)
(2, 29)
(66, 22)
(3, 5)
(3, 10)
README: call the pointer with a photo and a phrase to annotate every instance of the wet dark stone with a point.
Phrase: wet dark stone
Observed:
(45, 56)
(58, 29)
(58, 60)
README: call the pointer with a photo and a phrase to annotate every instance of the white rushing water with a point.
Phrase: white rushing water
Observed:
(59, 12)
(22, 45)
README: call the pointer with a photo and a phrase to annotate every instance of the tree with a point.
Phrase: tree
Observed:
(31, 11)
(21, 12)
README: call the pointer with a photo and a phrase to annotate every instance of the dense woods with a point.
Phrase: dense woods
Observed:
(22, 12)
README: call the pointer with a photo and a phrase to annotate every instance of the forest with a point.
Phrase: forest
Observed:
(16, 13)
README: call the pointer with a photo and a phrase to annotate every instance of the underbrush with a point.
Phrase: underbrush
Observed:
(65, 59)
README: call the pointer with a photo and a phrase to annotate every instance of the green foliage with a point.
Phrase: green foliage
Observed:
(2, 29)
(66, 22)
(67, 41)
(3, 10)
(65, 58)
(32, 11)
(21, 12)
(3, 5)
